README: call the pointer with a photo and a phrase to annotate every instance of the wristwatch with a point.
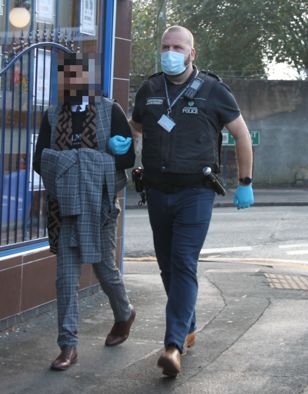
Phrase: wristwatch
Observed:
(245, 181)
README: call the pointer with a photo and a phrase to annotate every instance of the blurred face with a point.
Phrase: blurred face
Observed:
(73, 83)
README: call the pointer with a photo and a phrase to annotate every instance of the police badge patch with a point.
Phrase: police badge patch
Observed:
(191, 109)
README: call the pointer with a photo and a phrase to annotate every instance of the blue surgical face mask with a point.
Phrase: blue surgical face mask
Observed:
(172, 63)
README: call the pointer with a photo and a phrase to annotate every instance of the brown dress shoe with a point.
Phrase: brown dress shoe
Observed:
(66, 358)
(190, 340)
(170, 361)
(120, 331)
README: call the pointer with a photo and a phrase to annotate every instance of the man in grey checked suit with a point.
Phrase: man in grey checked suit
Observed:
(83, 149)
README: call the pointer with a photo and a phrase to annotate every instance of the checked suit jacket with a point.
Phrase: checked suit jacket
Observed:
(83, 183)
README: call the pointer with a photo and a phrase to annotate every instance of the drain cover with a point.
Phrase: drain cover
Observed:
(293, 282)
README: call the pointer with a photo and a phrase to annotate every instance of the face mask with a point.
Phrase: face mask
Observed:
(172, 63)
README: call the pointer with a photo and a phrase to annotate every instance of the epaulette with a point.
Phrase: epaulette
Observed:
(217, 78)
(155, 75)
(211, 75)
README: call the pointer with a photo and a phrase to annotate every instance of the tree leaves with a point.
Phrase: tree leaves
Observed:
(233, 38)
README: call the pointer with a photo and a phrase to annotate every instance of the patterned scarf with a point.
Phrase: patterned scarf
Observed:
(64, 130)
(64, 138)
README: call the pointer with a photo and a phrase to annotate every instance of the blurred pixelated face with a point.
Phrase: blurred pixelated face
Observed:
(74, 83)
(79, 77)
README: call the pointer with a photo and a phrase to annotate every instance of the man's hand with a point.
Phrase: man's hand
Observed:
(119, 145)
(243, 197)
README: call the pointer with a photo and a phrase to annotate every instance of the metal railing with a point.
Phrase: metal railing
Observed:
(28, 78)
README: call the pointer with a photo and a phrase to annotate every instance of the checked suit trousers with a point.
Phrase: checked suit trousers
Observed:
(67, 282)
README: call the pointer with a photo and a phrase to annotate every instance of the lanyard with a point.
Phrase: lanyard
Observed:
(170, 105)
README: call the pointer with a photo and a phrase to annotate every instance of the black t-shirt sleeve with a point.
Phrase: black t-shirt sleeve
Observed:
(120, 126)
(224, 103)
(43, 142)
(139, 103)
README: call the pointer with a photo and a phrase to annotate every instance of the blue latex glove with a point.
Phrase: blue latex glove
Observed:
(119, 145)
(243, 197)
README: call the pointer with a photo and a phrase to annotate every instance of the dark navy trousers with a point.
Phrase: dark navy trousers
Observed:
(179, 222)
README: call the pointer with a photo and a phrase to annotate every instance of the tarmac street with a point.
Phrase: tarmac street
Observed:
(266, 233)
(252, 333)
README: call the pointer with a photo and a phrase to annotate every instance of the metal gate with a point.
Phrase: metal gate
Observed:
(28, 78)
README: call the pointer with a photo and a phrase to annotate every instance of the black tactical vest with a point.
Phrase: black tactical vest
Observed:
(195, 140)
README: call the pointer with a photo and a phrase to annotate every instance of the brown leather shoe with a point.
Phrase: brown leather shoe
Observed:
(66, 358)
(190, 340)
(170, 361)
(120, 331)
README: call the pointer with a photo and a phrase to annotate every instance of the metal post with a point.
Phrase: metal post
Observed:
(108, 52)
(3, 82)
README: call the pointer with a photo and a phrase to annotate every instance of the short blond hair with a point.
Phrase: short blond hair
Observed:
(177, 28)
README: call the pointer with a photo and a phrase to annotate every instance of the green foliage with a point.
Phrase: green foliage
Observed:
(234, 38)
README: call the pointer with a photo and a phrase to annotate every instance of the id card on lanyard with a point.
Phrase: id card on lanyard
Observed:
(165, 121)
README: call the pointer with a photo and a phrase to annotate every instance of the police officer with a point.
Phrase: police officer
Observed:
(180, 113)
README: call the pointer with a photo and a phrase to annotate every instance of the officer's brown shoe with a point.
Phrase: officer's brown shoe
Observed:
(66, 358)
(120, 331)
(170, 361)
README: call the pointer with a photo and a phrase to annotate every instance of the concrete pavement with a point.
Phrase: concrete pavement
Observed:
(253, 338)
(252, 333)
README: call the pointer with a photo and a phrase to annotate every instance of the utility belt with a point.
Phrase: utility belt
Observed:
(209, 179)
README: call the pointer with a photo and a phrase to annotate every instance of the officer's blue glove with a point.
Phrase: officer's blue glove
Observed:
(119, 145)
(243, 197)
